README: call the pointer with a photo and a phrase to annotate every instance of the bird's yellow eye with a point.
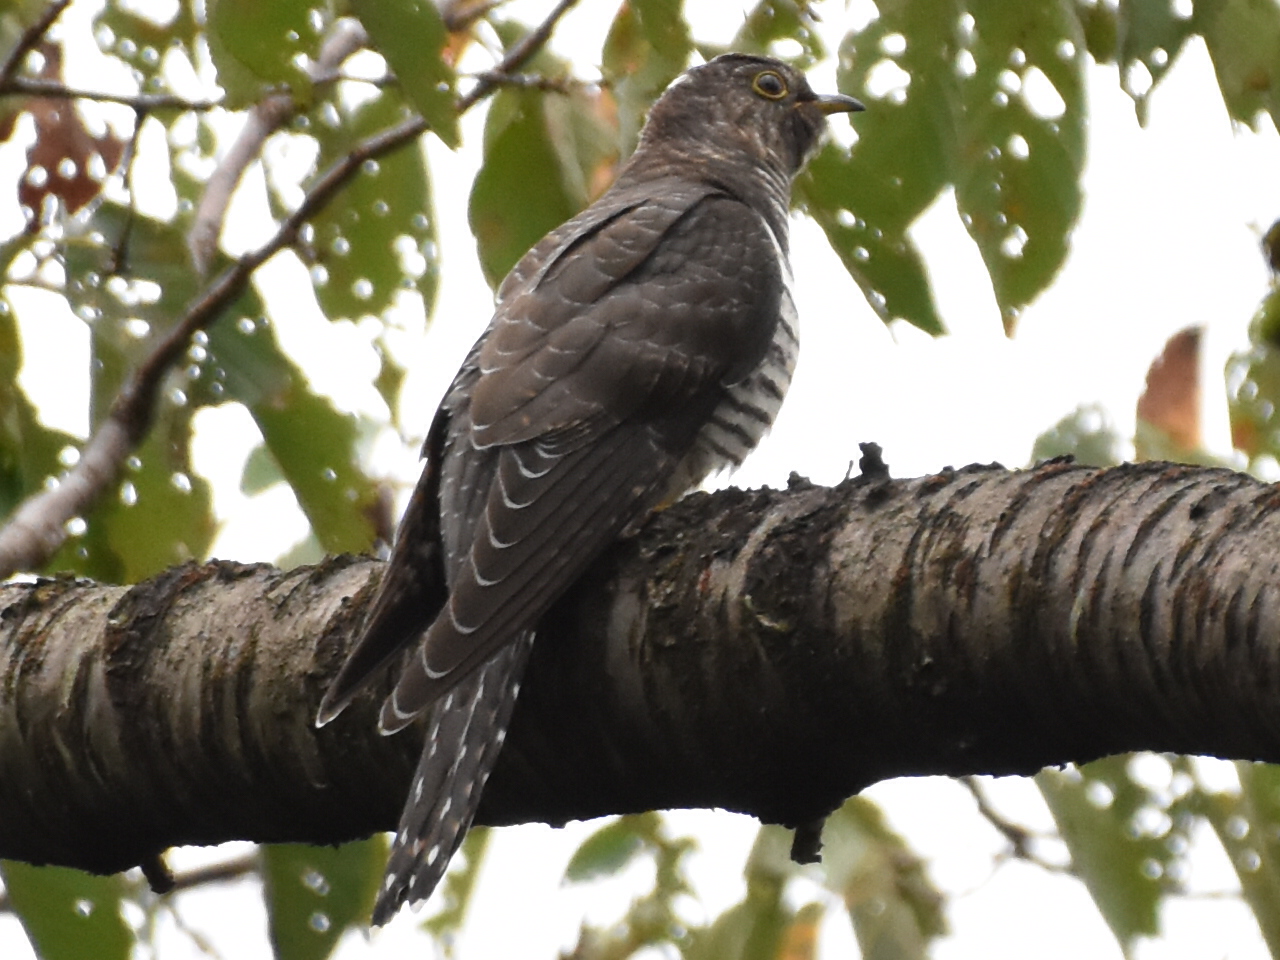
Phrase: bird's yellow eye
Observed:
(769, 84)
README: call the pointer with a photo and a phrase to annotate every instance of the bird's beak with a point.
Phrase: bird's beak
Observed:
(829, 103)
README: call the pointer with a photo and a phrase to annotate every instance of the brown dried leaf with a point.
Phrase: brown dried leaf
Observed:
(66, 161)
(1171, 401)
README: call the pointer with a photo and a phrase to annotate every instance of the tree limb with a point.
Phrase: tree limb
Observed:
(766, 652)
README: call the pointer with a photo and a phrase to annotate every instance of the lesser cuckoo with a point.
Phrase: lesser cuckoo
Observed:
(635, 350)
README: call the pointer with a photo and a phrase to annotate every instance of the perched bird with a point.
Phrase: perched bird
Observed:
(638, 348)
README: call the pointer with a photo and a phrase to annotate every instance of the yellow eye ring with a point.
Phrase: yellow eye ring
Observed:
(769, 84)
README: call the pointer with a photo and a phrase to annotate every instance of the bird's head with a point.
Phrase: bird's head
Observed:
(741, 103)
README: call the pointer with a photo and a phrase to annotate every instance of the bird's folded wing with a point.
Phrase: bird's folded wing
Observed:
(590, 401)
(694, 277)
(548, 516)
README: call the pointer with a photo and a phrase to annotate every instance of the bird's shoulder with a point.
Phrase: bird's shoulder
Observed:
(649, 205)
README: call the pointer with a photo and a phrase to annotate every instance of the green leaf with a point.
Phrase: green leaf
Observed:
(1253, 386)
(140, 41)
(69, 914)
(412, 36)
(29, 451)
(260, 471)
(507, 214)
(129, 274)
(773, 20)
(256, 46)
(1243, 37)
(158, 514)
(378, 236)
(606, 852)
(313, 894)
(1098, 811)
(306, 551)
(1100, 23)
(1150, 34)
(647, 47)
(1247, 825)
(865, 197)
(389, 380)
(651, 920)
(315, 446)
(753, 928)
(1018, 182)
(895, 909)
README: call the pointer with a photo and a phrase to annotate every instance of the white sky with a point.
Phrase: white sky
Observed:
(1168, 238)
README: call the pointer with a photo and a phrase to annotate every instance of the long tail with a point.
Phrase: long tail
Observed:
(464, 737)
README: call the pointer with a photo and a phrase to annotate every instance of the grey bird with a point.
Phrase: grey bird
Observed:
(640, 347)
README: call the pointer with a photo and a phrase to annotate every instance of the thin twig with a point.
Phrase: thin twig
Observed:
(529, 44)
(1019, 837)
(232, 869)
(117, 261)
(223, 870)
(198, 939)
(532, 81)
(458, 15)
(38, 527)
(30, 37)
(146, 102)
(152, 102)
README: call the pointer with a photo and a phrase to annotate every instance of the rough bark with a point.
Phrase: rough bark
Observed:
(768, 652)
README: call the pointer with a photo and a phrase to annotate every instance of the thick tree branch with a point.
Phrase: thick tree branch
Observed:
(768, 652)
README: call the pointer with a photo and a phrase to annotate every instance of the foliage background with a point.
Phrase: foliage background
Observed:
(275, 435)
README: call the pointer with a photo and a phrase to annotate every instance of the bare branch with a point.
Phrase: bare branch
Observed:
(30, 37)
(142, 102)
(224, 870)
(268, 115)
(532, 81)
(37, 528)
(220, 872)
(1020, 838)
(460, 14)
(529, 44)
